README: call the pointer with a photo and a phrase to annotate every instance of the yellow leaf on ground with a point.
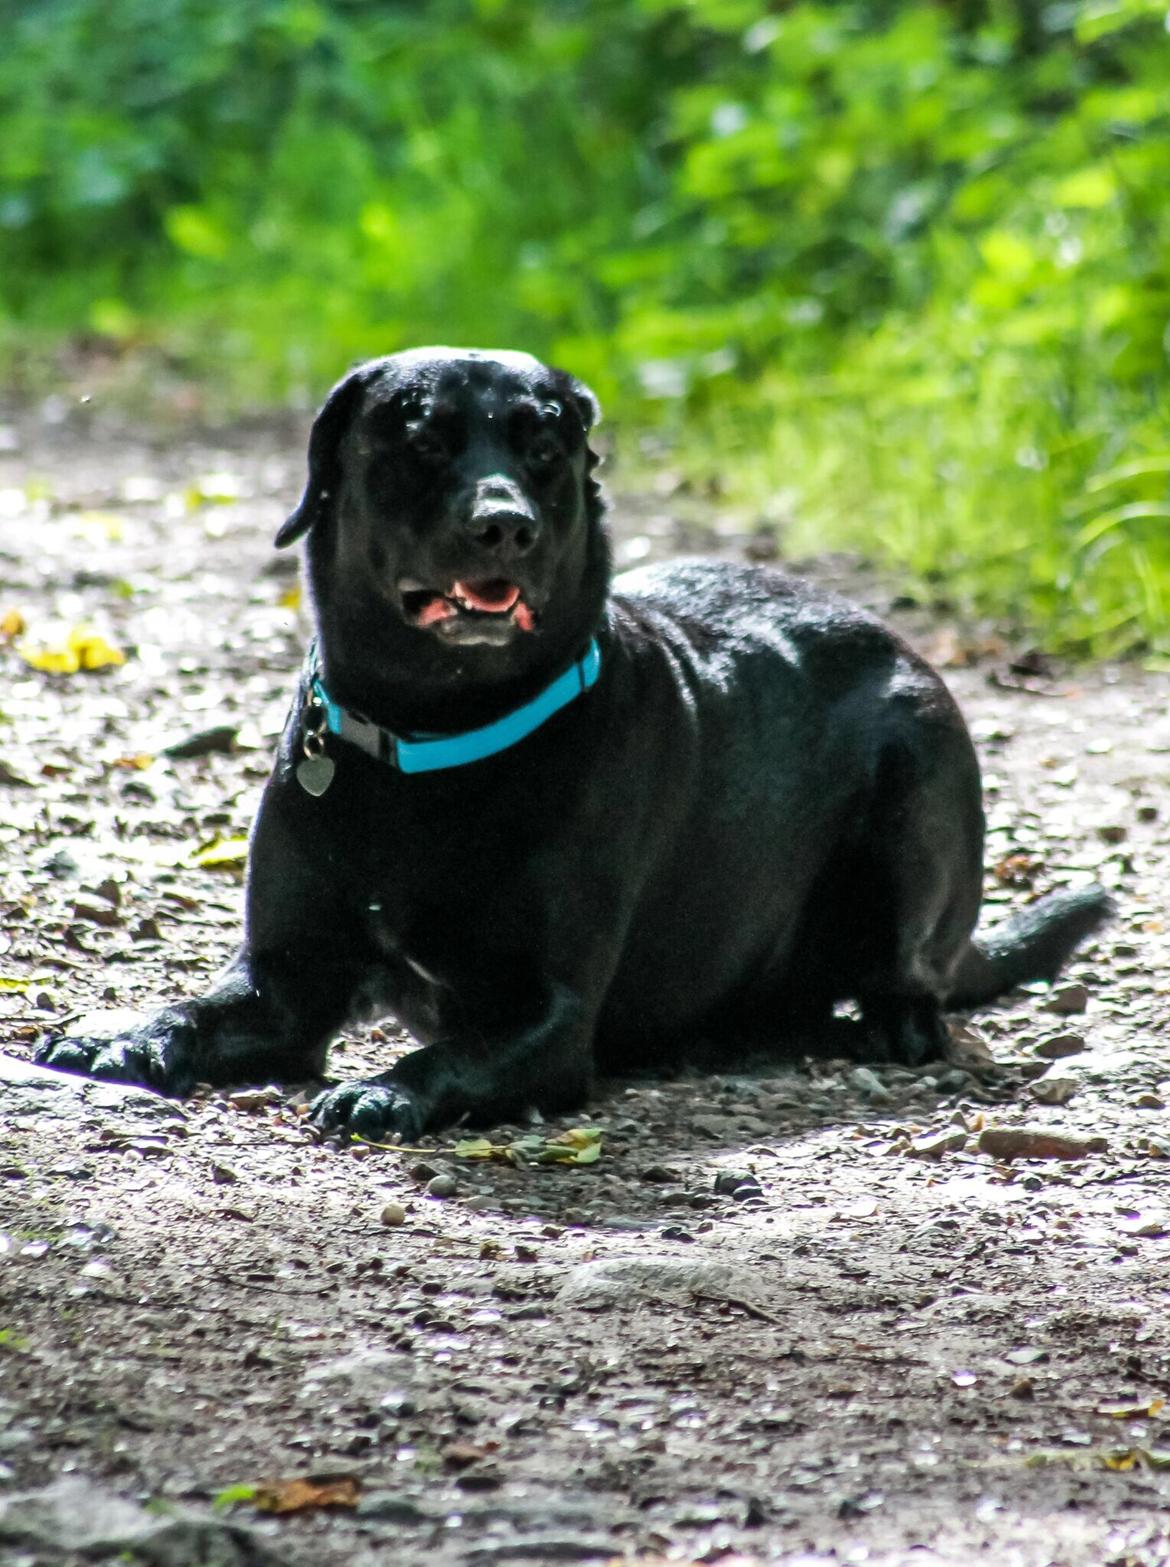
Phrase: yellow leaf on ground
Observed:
(82, 649)
(1120, 1459)
(11, 625)
(1133, 1409)
(220, 851)
(478, 1148)
(580, 1136)
(50, 661)
(94, 652)
(579, 1145)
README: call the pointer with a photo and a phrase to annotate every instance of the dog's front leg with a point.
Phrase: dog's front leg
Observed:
(263, 1019)
(545, 1063)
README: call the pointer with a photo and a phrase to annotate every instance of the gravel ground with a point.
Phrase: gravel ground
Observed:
(812, 1313)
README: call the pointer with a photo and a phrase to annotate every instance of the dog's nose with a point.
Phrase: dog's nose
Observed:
(501, 519)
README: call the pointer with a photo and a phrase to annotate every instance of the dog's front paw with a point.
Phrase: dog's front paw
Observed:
(147, 1053)
(373, 1110)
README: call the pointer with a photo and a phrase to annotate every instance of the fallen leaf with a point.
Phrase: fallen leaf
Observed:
(13, 987)
(578, 1145)
(304, 1493)
(1127, 1409)
(12, 624)
(82, 649)
(479, 1148)
(1017, 870)
(220, 852)
(1120, 1458)
(232, 1494)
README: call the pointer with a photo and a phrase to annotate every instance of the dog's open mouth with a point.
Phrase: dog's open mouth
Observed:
(491, 601)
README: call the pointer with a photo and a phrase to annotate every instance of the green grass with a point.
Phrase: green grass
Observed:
(977, 490)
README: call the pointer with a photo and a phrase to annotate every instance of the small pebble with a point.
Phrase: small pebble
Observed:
(442, 1186)
(1067, 999)
(393, 1213)
(954, 1081)
(938, 1143)
(1052, 1090)
(870, 1084)
(1054, 1047)
(253, 1098)
(726, 1181)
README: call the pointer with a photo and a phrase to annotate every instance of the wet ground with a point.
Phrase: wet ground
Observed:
(810, 1314)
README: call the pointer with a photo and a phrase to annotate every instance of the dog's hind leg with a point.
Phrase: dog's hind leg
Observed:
(922, 884)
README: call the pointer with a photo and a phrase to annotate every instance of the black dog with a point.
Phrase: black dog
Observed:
(551, 830)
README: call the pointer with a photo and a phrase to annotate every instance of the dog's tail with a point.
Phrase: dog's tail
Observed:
(1033, 944)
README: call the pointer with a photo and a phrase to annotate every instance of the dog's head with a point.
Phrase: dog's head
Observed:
(454, 524)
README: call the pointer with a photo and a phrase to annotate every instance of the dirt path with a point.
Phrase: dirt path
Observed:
(887, 1346)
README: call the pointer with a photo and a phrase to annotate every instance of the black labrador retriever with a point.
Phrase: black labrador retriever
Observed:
(553, 829)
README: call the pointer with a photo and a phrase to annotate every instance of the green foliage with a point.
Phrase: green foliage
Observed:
(899, 268)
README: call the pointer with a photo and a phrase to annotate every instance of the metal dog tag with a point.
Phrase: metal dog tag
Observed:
(315, 774)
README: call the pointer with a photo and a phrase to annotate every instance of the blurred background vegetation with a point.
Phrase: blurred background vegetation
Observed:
(897, 274)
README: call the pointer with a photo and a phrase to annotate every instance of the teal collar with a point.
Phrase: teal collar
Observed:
(431, 753)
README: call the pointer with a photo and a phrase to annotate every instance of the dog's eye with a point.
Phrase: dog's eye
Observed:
(544, 451)
(424, 442)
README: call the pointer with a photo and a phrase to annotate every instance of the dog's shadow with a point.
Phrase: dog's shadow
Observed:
(667, 1152)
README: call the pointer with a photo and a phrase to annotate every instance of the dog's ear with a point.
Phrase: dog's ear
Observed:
(329, 427)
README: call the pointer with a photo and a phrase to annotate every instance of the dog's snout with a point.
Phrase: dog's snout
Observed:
(504, 532)
(501, 519)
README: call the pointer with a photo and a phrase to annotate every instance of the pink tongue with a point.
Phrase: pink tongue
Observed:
(436, 609)
(492, 597)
